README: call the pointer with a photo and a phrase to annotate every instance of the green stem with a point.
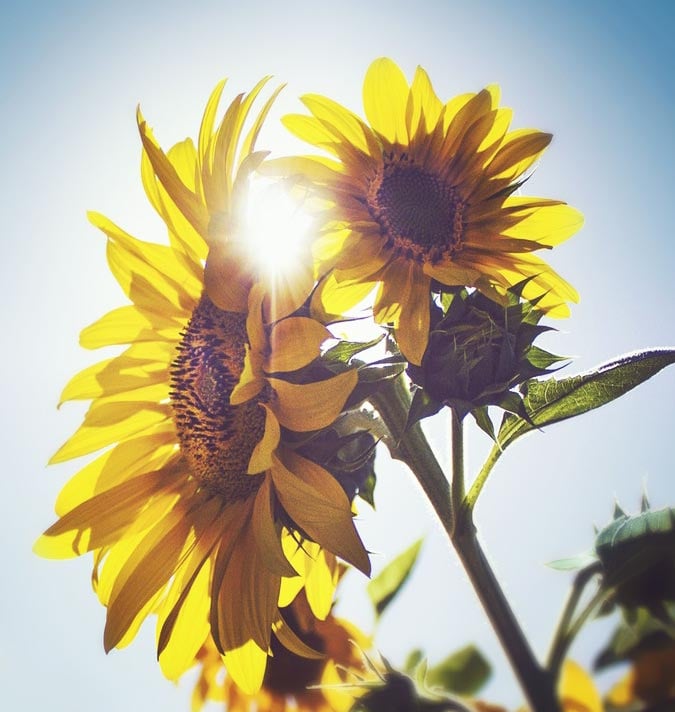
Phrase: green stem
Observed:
(558, 645)
(458, 489)
(537, 684)
(557, 654)
(392, 402)
(481, 478)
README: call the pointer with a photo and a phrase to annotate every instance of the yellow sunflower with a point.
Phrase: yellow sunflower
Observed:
(288, 676)
(197, 510)
(425, 196)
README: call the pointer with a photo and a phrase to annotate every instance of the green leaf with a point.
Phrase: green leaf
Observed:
(367, 489)
(343, 351)
(421, 406)
(386, 585)
(550, 401)
(574, 562)
(414, 658)
(462, 673)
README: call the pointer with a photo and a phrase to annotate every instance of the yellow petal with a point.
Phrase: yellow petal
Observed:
(549, 225)
(250, 381)
(107, 423)
(103, 517)
(228, 276)
(126, 460)
(319, 506)
(266, 532)
(261, 457)
(517, 153)
(246, 665)
(311, 406)
(345, 125)
(294, 343)
(320, 584)
(385, 98)
(412, 334)
(183, 197)
(577, 691)
(145, 573)
(425, 109)
(129, 324)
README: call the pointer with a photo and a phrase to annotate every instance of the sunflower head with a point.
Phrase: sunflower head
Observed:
(424, 194)
(479, 350)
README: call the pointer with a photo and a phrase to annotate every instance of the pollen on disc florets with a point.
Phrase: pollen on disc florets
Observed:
(216, 438)
(419, 213)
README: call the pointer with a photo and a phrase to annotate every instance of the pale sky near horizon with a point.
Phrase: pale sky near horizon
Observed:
(598, 75)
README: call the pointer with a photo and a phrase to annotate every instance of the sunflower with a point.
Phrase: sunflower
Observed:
(197, 510)
(292, 683)
(425, 196)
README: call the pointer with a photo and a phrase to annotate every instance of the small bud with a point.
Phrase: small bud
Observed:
(480, 350)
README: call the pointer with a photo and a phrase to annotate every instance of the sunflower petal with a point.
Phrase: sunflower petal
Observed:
(246, 665)
(266, 533)
(319, 506)
(145, 573)
(311, 406)
(385, 98)
(295, 342)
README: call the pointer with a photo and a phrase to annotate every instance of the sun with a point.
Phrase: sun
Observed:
(276, 225)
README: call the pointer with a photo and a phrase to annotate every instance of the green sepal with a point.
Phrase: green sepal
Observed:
(637, 633)
(386, 585)
(367, 490)
(551, 401)
(484, 422)
(421, 406)
(463, 672)
(344, 351)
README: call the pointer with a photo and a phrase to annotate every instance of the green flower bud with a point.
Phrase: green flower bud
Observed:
(479, 351)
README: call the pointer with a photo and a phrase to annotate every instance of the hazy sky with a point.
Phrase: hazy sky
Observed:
(599, 75)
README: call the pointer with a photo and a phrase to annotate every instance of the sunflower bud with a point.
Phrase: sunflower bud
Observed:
(479, 351)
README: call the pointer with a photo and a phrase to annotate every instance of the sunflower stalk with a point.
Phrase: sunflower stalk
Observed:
(537, 683)
(411, 446)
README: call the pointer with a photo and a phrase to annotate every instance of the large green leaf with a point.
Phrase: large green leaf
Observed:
(462, 673)
(384, 587)
(550, 401)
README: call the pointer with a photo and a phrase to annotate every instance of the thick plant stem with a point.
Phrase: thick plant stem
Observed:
(411, 446)
(537, 683)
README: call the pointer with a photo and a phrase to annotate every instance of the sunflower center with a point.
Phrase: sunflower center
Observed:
(420, 215)
(216, 438)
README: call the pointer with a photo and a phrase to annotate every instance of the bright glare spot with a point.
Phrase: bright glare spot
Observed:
(277, 227)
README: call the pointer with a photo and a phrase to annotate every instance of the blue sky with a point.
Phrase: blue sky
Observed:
(599, 75)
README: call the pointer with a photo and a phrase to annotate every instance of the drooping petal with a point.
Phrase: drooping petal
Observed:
(311, 406)
(317, 503)
(294, 343)
(261, 457)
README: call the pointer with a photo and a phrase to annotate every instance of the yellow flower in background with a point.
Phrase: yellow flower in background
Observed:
(426, 194)
(288, 676)
(577, 690)
(197, 510)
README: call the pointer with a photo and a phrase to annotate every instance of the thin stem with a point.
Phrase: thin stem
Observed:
(558, 653)
(580, 582)
(481, 478)
(458, 490)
